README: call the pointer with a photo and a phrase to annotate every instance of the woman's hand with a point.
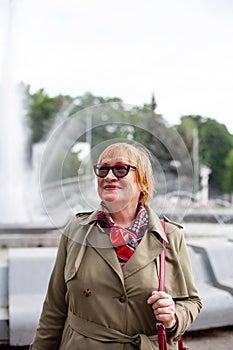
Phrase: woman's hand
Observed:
(164, 308)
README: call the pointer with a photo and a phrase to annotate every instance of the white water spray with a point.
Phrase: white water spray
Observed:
(12, 162)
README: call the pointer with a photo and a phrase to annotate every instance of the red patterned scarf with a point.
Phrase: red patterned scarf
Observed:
(125, 240)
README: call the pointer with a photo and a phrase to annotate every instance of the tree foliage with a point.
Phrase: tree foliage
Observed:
(228, 175)
(141, 124)
(185, 129)
(41, 112)
(215, 142)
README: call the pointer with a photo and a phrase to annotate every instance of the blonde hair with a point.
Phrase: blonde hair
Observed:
(141, 159)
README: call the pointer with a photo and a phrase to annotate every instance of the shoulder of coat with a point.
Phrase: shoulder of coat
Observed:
(74, 227)
(83, 214)
(85, 217)
(172, 222)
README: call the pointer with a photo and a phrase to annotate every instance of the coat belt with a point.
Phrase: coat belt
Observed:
(104, 334)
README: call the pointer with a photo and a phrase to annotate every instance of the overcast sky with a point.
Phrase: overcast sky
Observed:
(180, 50)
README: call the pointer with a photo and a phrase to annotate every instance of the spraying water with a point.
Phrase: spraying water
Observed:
(12, 162)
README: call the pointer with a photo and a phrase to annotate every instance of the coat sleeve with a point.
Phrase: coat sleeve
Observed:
(181, 282)
(49, 331)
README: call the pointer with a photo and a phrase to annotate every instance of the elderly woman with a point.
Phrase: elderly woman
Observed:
(103, 291)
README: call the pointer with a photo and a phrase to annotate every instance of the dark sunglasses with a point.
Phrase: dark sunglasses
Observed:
(119, 170)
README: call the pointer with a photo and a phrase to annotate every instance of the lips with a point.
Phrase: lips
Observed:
(111, 187)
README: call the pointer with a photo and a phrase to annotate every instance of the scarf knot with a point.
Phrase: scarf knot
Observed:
(125, 240)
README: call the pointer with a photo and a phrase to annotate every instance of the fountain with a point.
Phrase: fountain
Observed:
(21, 211)
(12, 203)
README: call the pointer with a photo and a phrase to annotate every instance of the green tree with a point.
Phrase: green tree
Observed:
(42, 110)
(215, 144)
(228, 175)
(89, 100)
(185, 129)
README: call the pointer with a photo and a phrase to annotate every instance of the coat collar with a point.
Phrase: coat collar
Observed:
(155, 225)
(148, 250)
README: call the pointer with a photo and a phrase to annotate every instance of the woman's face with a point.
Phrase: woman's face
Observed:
(118, 192)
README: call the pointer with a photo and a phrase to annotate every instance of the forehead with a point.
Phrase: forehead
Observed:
(115, 160)
(118, 154)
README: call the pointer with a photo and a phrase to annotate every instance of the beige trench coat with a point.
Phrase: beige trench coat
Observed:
(92, 303)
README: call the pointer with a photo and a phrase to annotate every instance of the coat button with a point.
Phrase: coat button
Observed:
(122, 298)
(87, 292)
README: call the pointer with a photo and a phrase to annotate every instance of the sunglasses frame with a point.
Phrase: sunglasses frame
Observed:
(113, 168)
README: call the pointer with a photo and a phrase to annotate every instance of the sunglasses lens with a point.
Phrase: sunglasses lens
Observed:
(120, 170)
(102, 171)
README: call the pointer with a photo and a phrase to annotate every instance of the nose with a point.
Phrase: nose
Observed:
(110, 176)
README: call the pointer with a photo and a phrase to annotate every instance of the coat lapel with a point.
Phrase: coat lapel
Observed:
(150, 247)
(101, 243)
(147, 251)
(109, 255)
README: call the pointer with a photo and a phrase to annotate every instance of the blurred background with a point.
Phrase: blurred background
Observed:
(171, 60)
(78, 75)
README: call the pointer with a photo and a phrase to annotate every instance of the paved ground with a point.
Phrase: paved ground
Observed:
(208, 230)
(216, 339)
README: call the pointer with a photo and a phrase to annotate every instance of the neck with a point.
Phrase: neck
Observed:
(124, 217)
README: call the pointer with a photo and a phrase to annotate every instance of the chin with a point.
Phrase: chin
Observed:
(115, 205)
(110, 199)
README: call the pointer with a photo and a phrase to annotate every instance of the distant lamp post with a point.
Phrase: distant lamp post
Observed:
(89, 142)
(196, 164)
(153, 103)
